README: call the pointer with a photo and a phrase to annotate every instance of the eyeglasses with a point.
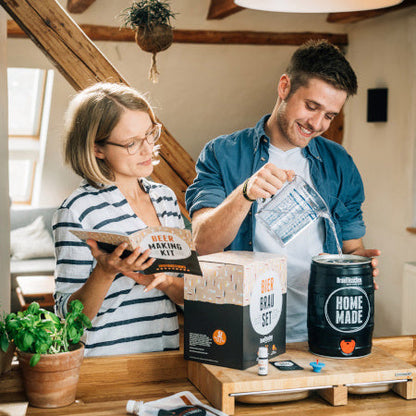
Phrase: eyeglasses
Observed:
(137, 143)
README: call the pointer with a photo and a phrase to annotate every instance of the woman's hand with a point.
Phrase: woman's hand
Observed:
(159, 281)
(112, 263)
(171, 285)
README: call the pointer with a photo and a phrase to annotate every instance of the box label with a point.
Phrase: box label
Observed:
(223, 334)
(265, 304)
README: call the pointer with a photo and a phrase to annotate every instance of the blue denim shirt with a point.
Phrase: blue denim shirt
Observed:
(229, 160)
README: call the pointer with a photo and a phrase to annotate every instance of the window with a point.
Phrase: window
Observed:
(29, 94)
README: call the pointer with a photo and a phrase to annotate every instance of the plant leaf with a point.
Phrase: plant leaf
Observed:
(76, 339)
(26, 340)
(86, 321)
(76, 306)
(51, 316)
(4, 342)
(34, 360)
(47, 325)
(33, 308)
(41, 347)
(72, 332)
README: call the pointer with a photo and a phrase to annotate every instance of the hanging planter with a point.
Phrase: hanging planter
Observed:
(151, 21)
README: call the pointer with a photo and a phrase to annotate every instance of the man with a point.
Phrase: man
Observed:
(235, 172)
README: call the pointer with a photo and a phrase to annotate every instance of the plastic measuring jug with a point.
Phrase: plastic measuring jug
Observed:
(296, 206)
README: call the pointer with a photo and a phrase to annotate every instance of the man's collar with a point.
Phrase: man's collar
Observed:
(312, 149)
(260, 132)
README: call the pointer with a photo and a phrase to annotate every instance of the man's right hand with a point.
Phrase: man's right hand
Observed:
(214, 229)
(267, 181)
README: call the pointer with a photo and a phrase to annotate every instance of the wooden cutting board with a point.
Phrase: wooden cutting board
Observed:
(220, 384)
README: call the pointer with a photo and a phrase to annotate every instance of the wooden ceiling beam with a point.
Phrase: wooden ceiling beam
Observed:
(82, 64)
(48, 25)
(255, 38)
(109, 33)
(352, 17)
(78, 6)
(218, 9)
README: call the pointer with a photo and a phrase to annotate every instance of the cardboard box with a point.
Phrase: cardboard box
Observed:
(235, 307)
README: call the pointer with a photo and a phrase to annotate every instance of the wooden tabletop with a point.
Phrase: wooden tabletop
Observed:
(106, 383)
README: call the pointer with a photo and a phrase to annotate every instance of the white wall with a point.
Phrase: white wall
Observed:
(4, 174)
(383, 53)
(203, 91)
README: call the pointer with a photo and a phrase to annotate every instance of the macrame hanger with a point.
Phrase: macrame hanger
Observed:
(153, 72)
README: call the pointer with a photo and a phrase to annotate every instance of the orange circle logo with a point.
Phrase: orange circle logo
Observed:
(219, 337)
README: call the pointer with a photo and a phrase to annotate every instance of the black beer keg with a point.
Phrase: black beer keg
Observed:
(341, 306)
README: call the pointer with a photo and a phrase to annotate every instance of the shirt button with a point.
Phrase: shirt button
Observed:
(249, 243)
(249, 212)
(265, 140)
(263, 159)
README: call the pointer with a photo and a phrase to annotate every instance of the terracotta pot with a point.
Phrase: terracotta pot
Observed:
(154, 39)
(6, 359)
(52, 382)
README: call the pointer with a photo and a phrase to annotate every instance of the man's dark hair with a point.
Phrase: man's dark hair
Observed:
(320, 59)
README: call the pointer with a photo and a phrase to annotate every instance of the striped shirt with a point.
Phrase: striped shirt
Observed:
(129, 320)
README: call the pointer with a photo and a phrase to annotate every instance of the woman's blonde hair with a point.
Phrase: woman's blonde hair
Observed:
(91, 117)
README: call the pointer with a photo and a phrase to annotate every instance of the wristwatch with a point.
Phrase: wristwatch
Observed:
(245, 191)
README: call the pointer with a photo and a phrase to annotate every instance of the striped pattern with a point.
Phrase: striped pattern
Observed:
(129, 320)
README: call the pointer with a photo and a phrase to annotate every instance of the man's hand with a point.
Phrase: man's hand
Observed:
(267, 181)
(369, 252)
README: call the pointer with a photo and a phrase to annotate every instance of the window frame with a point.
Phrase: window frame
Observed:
(32, 147)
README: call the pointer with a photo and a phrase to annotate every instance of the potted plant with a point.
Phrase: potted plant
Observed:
(6, 348)
(151, 21)
(50, 352)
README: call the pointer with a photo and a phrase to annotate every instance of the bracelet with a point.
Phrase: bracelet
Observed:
(245, 191)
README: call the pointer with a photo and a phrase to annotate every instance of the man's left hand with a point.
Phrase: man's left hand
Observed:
(370, 252)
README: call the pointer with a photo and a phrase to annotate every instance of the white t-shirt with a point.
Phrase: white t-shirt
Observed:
(298, 252)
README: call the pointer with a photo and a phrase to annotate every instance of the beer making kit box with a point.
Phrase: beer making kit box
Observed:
(235, 307)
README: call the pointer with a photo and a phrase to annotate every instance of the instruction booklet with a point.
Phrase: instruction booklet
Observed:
(171, 247)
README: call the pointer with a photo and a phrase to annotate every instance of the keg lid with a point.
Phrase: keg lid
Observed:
(341, 260)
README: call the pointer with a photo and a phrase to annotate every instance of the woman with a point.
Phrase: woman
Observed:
(110, 140)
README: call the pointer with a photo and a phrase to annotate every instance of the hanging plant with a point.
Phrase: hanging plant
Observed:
(151, 21)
